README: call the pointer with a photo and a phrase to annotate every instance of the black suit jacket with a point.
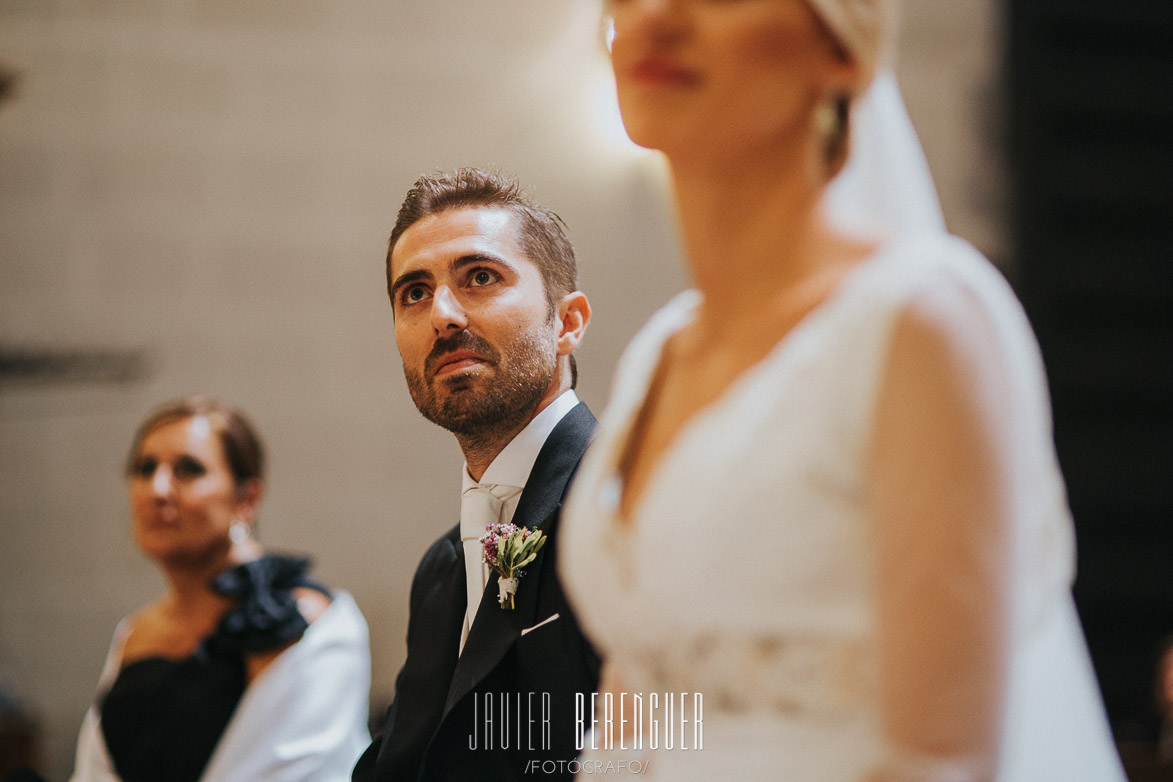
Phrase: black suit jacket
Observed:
(442, 696)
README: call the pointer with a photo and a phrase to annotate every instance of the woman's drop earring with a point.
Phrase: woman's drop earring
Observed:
(239, 532)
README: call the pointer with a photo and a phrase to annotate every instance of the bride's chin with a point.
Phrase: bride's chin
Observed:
(670, 138)
(653, 127)
(682, 136)
(644, 134)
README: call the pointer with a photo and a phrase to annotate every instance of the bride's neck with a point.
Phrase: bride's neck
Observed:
(750, 228)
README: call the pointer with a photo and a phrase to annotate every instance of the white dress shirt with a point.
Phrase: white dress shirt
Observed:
(512, 467)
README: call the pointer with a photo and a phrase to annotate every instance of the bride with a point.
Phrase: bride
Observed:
(824, 496)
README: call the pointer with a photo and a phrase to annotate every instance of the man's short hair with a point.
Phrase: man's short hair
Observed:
(541, 233)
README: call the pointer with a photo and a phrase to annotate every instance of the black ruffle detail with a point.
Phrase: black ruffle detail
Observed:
(267, 616)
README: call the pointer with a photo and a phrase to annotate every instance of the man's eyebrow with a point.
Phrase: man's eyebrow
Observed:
(472, 259)
(409, 277)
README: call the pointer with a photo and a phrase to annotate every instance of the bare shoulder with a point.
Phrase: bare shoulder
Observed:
(153, 632)
(311, 603)
(144, 624)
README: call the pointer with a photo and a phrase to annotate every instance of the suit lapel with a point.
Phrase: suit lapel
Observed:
(495, 630)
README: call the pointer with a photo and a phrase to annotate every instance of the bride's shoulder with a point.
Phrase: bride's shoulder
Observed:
(956, 304)
(921, 269)
(672, 316)
(641, 355)
(925, 251)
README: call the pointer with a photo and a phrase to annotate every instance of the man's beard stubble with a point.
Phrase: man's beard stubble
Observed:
(525, 368)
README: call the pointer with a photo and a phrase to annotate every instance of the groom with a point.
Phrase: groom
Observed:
(487, 317)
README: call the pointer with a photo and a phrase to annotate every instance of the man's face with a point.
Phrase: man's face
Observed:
(478, 343)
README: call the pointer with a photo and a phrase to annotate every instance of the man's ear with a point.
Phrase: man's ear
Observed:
(574, 315)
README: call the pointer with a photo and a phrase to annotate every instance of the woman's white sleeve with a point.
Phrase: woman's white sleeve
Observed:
(944, 478)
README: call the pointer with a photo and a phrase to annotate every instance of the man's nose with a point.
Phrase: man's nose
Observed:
(447, 313)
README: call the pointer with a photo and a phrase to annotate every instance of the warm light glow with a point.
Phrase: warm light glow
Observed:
(201, 427)
(605, 111)
(571, 79)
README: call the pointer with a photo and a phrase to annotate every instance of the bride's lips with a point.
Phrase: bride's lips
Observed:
(660, 72)
(456, 361)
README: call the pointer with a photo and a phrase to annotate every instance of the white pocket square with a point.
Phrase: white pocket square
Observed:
(545, 621)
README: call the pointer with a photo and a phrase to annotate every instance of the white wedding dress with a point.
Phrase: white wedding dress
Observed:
(747, 570)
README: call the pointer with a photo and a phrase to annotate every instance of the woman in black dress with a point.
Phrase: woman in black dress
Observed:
(245, 668)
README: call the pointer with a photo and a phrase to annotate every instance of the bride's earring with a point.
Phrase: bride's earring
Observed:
(239, 532)
(832, 116)
(827, 117)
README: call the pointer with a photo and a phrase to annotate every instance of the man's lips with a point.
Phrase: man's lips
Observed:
(456, 361)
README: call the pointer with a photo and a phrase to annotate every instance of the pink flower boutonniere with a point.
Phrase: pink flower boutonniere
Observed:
(508, 549)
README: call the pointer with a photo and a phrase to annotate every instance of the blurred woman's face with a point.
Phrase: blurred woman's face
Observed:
(708, 76)
(182, 495)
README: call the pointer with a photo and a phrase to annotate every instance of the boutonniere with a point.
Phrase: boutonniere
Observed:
(508, 549)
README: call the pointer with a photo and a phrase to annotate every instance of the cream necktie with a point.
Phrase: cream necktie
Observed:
(480, 505)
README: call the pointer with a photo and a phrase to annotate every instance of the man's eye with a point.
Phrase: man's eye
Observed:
(482, 277)
(187, 467)
(412, 295)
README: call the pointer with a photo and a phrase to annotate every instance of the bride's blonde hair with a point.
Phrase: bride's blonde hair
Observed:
(862, 27)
